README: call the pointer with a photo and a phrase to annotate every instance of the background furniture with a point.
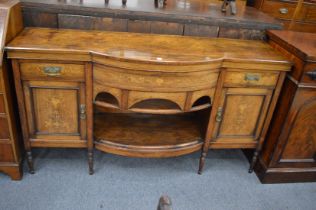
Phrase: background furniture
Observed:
(164, 203)
(178, 17)
(10, 154)
(290, 151)
(304, 21)
(165, 98)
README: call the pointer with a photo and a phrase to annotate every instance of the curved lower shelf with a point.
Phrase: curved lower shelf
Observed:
(113, 108)
(147, 135)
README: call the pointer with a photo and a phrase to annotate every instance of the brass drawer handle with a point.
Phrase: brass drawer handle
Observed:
(219, 114)
(52, 70)
(283, 11)
(252, 77)
(312, 74)
(82, 111)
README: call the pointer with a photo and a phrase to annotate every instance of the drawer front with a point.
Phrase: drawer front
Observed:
(44, 71)
(285, 10)
(280, 10)
(310, 14)
(242, 79)
(309, 75)
(154, 81)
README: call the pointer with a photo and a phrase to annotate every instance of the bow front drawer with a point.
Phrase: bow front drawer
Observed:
(51, 71)
(248, 78)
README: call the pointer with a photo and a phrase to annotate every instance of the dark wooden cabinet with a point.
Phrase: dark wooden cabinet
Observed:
(289, 154)
(10, 144)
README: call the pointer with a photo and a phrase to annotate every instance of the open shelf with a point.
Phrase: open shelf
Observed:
(151, 106)
(148, 135)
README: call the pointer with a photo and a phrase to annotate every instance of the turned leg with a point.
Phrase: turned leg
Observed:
(204, 152)
(30, 164)
(90, 160)
(253, 161)
(202, 161)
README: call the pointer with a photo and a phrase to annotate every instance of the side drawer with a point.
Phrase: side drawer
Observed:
(280, 10)
(50, 70)
(248, 78)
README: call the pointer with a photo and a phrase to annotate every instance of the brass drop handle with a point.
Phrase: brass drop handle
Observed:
(312, 74)
(52, 71)
(219, 114)
(252, 77)
(283, 11)
(82, 111)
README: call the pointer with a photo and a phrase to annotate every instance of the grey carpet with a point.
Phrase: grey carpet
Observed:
(120, 183)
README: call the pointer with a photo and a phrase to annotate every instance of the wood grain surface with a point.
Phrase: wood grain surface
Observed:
(158, 48)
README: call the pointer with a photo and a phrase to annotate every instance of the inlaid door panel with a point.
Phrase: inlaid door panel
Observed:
(241, 114)
(55, 109)
(301, 138)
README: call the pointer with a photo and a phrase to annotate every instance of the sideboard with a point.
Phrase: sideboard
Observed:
(143, 95)
(10, 153)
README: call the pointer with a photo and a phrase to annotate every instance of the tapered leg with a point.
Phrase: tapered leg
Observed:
(253, 161)
(202, 161)
(90, 160)
(30, 164)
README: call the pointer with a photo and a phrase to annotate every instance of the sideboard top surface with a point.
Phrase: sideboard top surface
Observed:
(144, 47)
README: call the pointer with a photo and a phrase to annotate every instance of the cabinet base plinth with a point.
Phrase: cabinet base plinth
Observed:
(283, 175)
(13, 170)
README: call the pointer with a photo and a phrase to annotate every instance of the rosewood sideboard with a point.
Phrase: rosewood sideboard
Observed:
(10, 154)
(289, 154)
(143, 95)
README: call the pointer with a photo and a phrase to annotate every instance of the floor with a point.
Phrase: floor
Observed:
(62, 182)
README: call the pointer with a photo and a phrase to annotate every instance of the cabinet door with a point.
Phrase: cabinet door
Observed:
(298, 137)
(55, 112)
(240, 117)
